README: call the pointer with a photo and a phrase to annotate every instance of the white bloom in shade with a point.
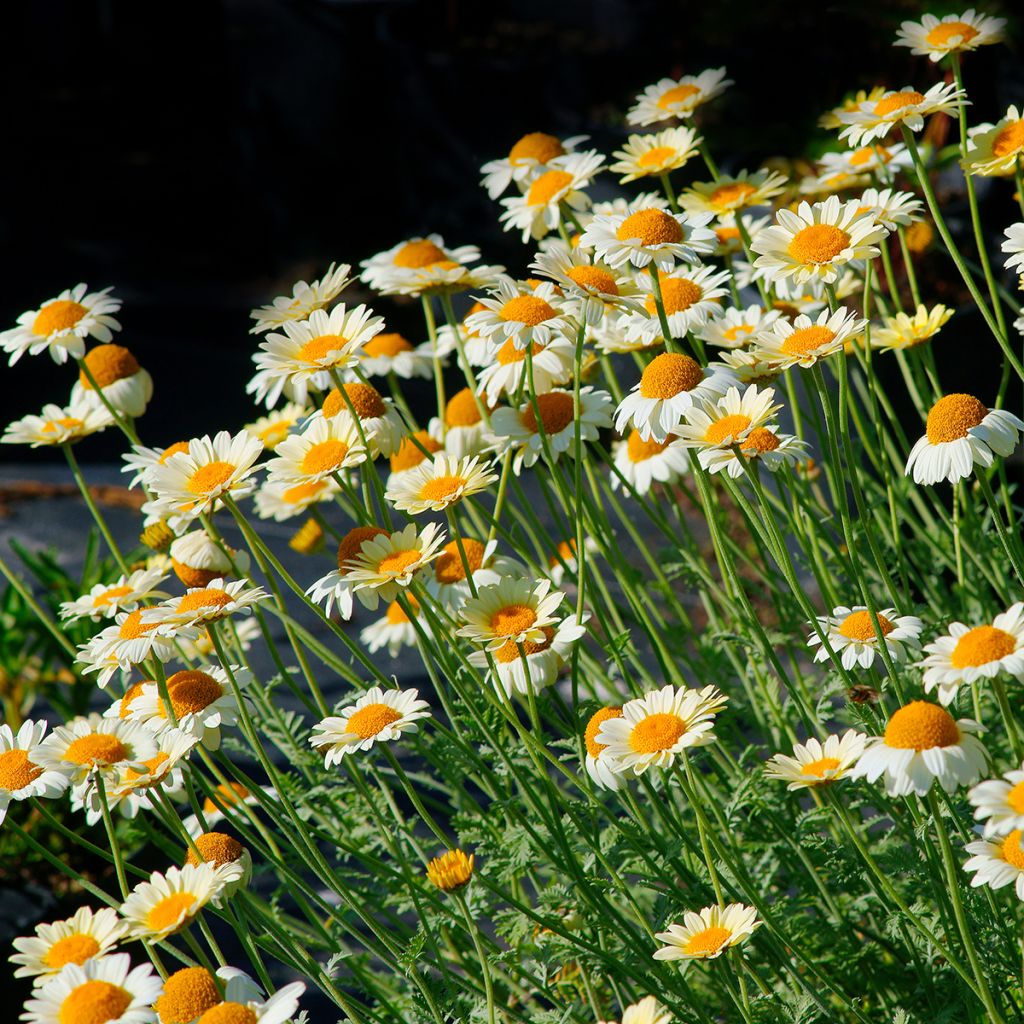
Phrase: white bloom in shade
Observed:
(738, 327)
(518, 314)
(394, 630)
(381, 422)
(217, 600)
(190, 483)
(21, 775)
(169, 900)
(689, 297)
(671, 98)
(526, 160)
(434, 486)
(516, 611)
(708, 934)
(273, 428)
(106, 990)
(851, 634)
(197, 559)
(281, 500)
(58, 425)
(125, 384)
(647, 1011)
(131, 640)
(124, 594)
(649, 236)
(326, 447)
(1001, 802)
(90, 934)
(767, 445)
(955, 33)
(891, 208)
(817, 242)
(655, 728)
(377, 716)
(520, 428)
(538, 211)
(966, 654)
(594, 287)
(803, 341)
(401, 264)
(93, 744)
(644, 463)
(336, 587)
(309, 349)
(655, 153)
(223, 801)
(552, 366)
(1013, 244)
(997, 864)
(61, 325)
(922, 743)
(389, 352)
(814, 763)
(447, 581)
(670, 384)
(902, 331)
(386, 564)
(962, 433)
(875, 118)
(304, 299)
(726, 421)
(598, 762)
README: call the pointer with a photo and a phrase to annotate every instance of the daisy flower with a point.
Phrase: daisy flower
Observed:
(191, 991)
(816, 764)
(596, 287)
(394, 629)
(655, 153)
(890, 207)
(851, 634)
(140, 460)
(525, 160)
(803, 341)
(326, 447)
(281, 499)
(514, 610)
(517, 314)
(649, 235)
(874, 119)
(377, 716)
(961, 433)
(244, 1002)
(767, 445)
(1001, 801)
(61, 325)
(90, 934)
(997, 864)
(902, 331)
(273, 428)
(520, 428)
(598, 763)
(647, 1011)
(170, 900)
(737, 327)
(433, 487)
(382, 424)
(726, 421)
(131, 640)
(1014, 245)
(304, 299)
(335, 587)
(386, 564)
(392, 353)
(23, 776)
(552, 366)
(538, 211)
(955, 33)
(670, 384)
(463, 428)
(94, 744)
(689, 298)
(671, 98)
(388, 270)
(923, 743)
(995, 150)
(125, 384)
(707, 934)
(816, 242)
(197, 559)
(866, 160)
(731, 193)
(57, 425)
(309, 349)
(125, 594)
(644, 463)
(966, 654)
(655, 728)
(105, 989)
(190, 483)
(830, 119)
(447, 582)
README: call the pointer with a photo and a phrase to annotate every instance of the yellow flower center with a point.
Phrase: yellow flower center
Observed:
(324, 457)
(677, 94)
(396, 613)
(387, 345)
(981, 645)
(592, 279)
(409, 453)
(442, 488)
(187, 994)
(192, 577)
(171, 911)
(536, 146)
(1010, 139)
(556, 412)
(150, 768)
(818, 243)
(133, 626)
(760, 440)
(726, 427)
(461, 410)
(858, 626)
(449, 567)
(94, 1002)
(107, 364)
(365, 399)
(317, 349)
(191, 691)
(173, 449)
(594, 727)
(216, 848)
(656, 732)
(954, 33)
(64, 423)
(195, 600)
(229, 794)
(651, 227)
(708, 941)
(419, 254)
(677, 294)
(208, 478)
(371, 720)
(640, 450)
(74, 949)
(1015, 798)
(229, 1013)
(508, 353)
(16, 770)
(819, 767)
(733, 333)
(512, 619)
(897, 101)
(352, 543)
(547, 186)
(527, 309)
(109, 596)
(57, 316)
(1012, 851)
(920, 725)
(807, 339)
(96, 748)
(397, 562)
(951, 417)
(669, 374)
(130, 694)
(866, 154)
(728, 197)
(656, 157)
(303, 492)
(509, 650)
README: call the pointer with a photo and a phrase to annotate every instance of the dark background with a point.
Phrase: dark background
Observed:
(202, 156)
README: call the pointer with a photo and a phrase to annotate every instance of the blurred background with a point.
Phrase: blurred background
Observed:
(202, 156)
